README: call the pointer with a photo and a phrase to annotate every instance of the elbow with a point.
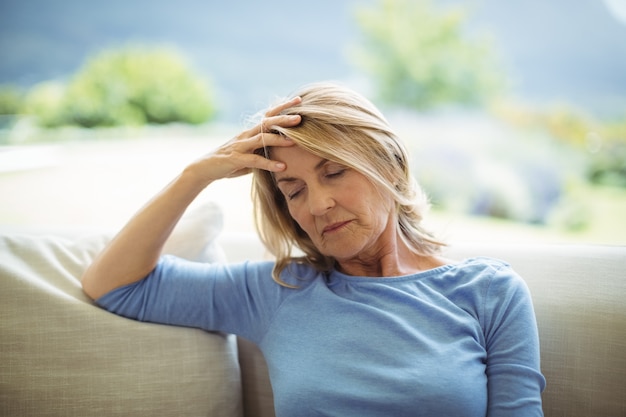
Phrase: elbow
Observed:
(93, 285)
(97, 281)
(88, 287)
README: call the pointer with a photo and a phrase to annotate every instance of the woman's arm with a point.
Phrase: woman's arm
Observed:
(515, 381)
(136, 249)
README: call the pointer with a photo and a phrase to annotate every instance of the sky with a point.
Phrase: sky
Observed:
(556, 51)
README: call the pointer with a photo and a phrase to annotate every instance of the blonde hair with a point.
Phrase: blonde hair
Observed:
(342, 126)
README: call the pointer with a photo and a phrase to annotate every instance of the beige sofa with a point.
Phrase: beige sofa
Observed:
(62, 356)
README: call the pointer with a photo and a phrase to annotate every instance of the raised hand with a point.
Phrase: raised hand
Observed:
(239, 155)
(134, 252)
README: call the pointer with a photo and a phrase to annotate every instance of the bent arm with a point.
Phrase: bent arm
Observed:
(134, 252)
(136, 249)
(515, 381)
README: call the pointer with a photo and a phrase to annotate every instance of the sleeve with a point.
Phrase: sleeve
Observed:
(515, 382)
(239, 299)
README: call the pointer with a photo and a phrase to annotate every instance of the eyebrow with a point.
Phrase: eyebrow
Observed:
(317, 167)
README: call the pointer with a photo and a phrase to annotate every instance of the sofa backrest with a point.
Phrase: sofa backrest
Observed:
(578, 293)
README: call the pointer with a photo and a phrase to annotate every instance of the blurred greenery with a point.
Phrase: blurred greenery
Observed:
(601, 142)
(527, 164)
(45, 102)
(419, 56)
(479, 165)
(10, 100)
(131, 85)
(552, 167)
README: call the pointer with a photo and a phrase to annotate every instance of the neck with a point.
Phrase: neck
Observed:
(392, 260)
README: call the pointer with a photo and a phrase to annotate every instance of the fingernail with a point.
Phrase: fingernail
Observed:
(280, 165)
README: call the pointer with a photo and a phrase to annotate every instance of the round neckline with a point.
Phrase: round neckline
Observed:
(336, 275)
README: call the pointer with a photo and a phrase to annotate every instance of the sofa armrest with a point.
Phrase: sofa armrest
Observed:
(62, 355)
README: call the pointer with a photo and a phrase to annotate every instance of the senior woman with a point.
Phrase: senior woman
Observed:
(359, 314)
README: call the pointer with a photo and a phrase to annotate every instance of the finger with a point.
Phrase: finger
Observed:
(276, 110)
(254, 161)
(265, 140)
(269, 123)
(272, 118)
(238, 158)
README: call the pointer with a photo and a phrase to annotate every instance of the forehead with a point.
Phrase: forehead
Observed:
(297, 159)
(290, 152)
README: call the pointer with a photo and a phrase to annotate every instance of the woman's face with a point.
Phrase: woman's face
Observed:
(343, 213)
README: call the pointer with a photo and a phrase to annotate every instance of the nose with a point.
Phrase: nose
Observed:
(320, 200)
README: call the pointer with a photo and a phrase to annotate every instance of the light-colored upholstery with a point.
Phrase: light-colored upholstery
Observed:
(62, 356)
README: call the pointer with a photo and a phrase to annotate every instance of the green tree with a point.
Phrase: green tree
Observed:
(420, 57)
(132, 86)
(45, 101)
(10, 100)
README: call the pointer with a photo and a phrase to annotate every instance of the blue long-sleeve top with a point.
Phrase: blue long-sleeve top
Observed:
(458, 340)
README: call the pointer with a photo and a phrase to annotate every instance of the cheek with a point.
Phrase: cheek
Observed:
(379, 207)
(299, 216)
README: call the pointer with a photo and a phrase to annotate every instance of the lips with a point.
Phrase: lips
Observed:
(334, 227)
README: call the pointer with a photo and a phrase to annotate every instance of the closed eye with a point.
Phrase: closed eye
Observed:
(335, 174)
(290, 188)
(294, 194)
(332, 170)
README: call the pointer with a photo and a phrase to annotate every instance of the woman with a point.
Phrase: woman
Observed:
(368, 319)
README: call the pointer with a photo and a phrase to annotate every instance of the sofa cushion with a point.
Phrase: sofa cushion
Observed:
(62, 355)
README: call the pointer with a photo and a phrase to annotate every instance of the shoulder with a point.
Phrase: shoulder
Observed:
(498, 284)
(484, 277)
(498, 273)
(486, 269)
(483, 263)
